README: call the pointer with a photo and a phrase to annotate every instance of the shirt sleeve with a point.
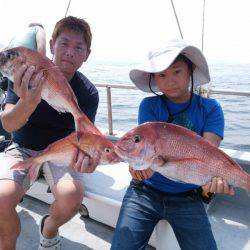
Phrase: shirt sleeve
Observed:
(214, 122)
(146, 112)
(11, 96)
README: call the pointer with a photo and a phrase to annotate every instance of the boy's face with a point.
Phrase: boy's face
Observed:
(69, 51)
(174, 82)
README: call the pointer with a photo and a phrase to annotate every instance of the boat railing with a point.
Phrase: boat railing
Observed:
(207, 92)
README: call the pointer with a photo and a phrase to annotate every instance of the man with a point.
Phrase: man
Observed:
(34, 125)
(33, 37)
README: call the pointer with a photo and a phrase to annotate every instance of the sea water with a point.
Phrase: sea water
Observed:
(125, 102)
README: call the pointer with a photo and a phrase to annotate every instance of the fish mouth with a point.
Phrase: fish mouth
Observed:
(120, 152)
(116, 158)
(135, 164)
(3, 58)
(138, 167)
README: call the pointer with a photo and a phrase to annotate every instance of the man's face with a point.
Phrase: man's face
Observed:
(69, 51)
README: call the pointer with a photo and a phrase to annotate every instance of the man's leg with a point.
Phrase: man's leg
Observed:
(10, 195)
(13, 185)
(68, 198)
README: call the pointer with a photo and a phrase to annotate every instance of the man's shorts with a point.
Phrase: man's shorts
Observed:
(53, 172)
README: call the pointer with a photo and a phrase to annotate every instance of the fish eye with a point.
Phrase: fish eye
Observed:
(107, 150)
(8, 55)
(137, 138)
(11, 54)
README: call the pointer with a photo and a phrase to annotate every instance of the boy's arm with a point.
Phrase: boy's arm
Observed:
(212, 138)
(217, 184)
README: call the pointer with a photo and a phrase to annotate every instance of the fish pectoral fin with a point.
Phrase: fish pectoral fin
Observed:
(77, 149)
(181, 160)
(159, 160)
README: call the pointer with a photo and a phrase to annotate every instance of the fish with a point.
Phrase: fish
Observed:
(179, 154)
(62, 152)
(56, 90)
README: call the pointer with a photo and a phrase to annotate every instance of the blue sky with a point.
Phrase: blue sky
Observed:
(125, 30)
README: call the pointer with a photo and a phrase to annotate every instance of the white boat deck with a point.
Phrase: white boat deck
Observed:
(77, 234)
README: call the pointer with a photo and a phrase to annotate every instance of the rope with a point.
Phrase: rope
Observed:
(203, 25)
(203, 91)
(67, 8)
(177, 19)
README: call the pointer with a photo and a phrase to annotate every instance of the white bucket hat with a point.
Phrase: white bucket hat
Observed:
(160, 59)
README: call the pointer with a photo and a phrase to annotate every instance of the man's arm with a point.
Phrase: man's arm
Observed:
(15, 116)
(41, 41)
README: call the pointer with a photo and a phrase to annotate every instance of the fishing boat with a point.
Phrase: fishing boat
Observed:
(93, 227)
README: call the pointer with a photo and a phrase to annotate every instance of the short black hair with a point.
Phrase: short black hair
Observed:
(184, 59)
(72, 23)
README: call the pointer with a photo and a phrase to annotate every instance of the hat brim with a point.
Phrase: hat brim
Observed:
(140, 76)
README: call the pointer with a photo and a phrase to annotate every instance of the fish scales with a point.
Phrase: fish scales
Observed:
(179, 154)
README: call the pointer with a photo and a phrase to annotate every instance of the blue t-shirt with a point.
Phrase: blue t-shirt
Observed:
(45, 124)
(203, 115)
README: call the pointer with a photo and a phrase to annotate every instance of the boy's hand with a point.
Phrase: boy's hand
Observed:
(218, 185)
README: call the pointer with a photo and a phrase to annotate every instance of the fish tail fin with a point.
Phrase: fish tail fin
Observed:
(29, 165)
(80, 125)
(83, 125)
(248, 185)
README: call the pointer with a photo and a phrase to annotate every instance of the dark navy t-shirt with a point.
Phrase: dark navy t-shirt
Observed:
(203, 115)
(46, 125)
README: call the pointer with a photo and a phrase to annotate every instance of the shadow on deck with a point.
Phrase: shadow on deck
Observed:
(77, 234)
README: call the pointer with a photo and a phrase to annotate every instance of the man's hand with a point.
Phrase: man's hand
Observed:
(28, 89)
(83, 163)
(218, 185)
(141, 175)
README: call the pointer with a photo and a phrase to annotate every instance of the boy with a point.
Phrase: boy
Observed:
(175, 70)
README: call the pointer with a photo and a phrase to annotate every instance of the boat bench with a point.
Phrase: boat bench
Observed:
(105, 189)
